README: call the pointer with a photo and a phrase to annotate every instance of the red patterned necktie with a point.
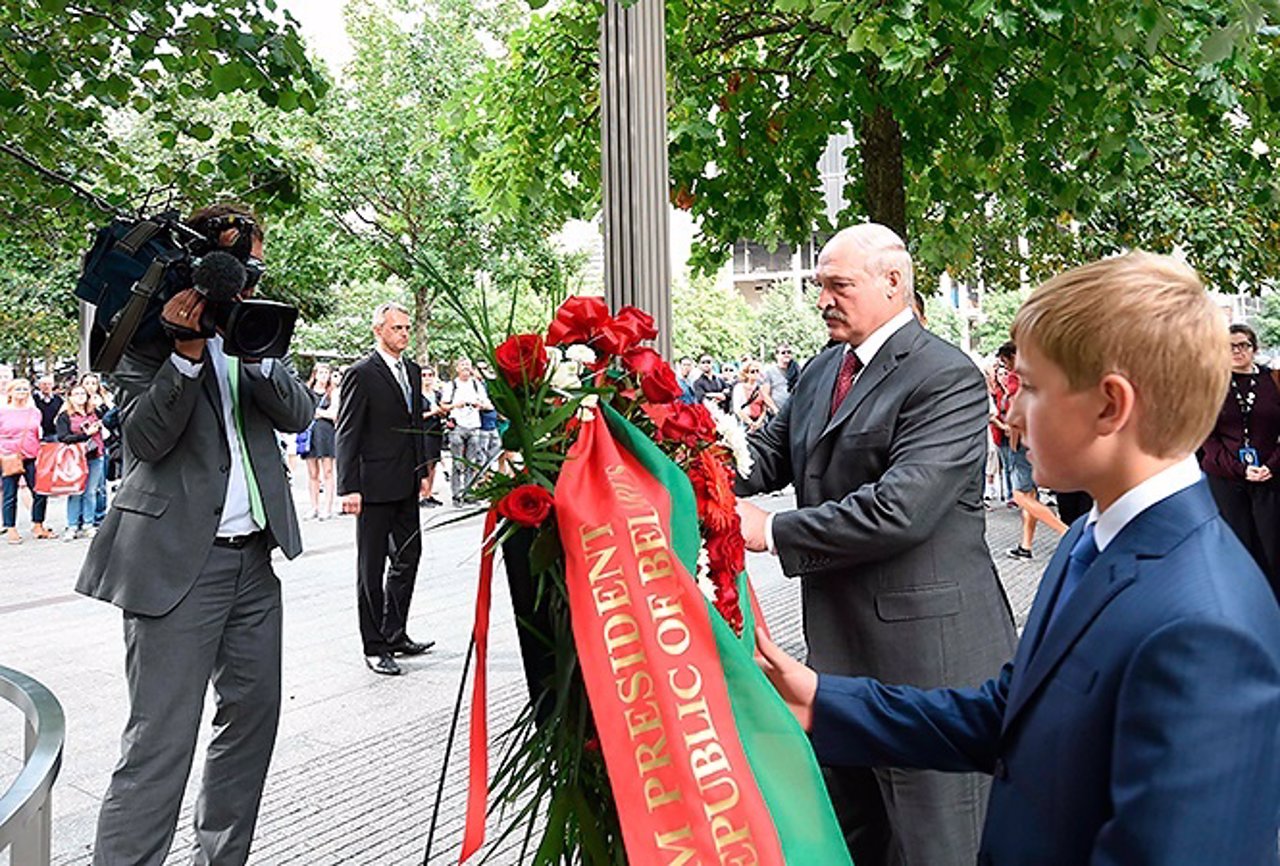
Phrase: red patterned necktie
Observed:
(844, 379)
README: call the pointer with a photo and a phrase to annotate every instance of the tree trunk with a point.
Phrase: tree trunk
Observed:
(886, 190)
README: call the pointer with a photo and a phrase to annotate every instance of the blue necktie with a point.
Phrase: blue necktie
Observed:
(1083, 553)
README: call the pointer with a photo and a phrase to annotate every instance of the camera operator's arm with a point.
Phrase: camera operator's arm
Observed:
(156, 399)
(158, 385)
(277, 391)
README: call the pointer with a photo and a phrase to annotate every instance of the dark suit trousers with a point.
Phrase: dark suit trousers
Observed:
(387, 535)
(893, 817)
(225, 630)
(1252, 510)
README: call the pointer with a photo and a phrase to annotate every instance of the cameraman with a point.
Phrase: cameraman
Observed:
(185, 552)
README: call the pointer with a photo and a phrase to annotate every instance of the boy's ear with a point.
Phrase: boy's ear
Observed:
(1119, 402)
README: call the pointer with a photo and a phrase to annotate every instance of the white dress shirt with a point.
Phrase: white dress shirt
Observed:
(1157, 488)
(237, 514)
(866, 352)
(399, 371)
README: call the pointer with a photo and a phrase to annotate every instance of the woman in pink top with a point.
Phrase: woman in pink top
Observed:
(20, 434)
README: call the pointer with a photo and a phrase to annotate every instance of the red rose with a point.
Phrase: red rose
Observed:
(638, 320)
(642, 361)
(528, 505)
(578, 320)
(661, 385)
(625, 330)
(689, 424)
(522, 359)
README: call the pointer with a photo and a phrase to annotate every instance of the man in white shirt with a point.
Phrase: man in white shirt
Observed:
(465, 396)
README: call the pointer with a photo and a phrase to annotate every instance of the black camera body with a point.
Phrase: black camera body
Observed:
(135, 266)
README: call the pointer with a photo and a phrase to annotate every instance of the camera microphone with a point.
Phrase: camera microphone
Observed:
(219, 277)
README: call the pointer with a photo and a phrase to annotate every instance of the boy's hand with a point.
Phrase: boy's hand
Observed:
(796, 683)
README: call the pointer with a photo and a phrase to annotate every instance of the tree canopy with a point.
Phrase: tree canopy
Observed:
(976, 121)
(73, 72)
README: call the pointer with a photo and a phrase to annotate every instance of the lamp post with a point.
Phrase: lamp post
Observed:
(633, 98)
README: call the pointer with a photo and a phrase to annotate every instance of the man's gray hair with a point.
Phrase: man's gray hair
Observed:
(380, 313)
(885, 251)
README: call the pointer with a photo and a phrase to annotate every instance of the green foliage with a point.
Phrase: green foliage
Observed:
(38, 314)
(998, 310)
(346, 331)
(1140, 126)
(709, 317)
(391, 179)
(784, 317)
(944, 320)
(72, 75)
(1267, 322)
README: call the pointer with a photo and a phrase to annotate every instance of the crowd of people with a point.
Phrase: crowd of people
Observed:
(73, 410)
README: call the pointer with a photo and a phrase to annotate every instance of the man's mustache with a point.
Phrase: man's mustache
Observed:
(831, 314)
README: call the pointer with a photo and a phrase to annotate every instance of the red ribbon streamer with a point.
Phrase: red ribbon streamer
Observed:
(478, 770)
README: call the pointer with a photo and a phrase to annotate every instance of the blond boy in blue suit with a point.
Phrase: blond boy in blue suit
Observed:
(1139, 721)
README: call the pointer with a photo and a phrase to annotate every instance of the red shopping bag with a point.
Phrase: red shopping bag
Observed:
(61, 468)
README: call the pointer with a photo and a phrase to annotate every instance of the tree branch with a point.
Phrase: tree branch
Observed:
(61, 179)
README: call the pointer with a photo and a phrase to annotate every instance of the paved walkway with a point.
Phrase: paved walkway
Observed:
(359, 756)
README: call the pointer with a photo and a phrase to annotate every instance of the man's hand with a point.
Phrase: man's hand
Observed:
(424, 488)
(1259, 474)
(753, 519)
(797, 684)
(184, 310)
(351, 503)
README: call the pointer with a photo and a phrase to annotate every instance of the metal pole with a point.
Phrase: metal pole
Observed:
(633, 136)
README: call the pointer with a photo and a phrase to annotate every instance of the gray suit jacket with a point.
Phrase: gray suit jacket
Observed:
(888, 537)
(163, 520)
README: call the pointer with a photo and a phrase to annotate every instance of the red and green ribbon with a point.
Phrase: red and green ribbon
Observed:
(706, 763)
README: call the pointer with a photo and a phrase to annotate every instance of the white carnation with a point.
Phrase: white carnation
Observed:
(564, 376)
(735, 439)
(582, 353)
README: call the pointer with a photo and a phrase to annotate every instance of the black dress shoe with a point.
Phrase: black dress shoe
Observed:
(383, 664)
(411, 647)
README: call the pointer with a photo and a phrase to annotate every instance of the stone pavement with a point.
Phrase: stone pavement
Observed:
(358, 758)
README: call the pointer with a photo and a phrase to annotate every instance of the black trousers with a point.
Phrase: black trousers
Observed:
(1073, 505)
(387, 536)
(1252, 511)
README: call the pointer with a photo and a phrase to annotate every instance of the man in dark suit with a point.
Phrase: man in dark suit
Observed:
(381, 475)
(1137, 722)
(185, 550)
(884, 440)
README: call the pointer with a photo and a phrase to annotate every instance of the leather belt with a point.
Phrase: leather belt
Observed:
(236, 542)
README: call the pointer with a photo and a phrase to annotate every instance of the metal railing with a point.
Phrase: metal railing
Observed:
(26, 809)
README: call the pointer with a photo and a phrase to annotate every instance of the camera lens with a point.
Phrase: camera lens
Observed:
(257, 329)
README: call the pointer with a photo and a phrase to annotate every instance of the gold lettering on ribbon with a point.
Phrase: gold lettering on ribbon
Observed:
(639, 683)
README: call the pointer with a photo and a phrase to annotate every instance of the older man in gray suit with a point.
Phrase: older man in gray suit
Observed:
(884, 440)
(186, 552)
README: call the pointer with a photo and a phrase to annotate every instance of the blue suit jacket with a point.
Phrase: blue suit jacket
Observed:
(1143, 729)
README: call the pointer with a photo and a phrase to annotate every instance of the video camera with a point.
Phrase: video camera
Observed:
(135, 266)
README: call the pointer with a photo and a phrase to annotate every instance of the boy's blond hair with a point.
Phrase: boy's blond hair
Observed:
(1148, 318)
